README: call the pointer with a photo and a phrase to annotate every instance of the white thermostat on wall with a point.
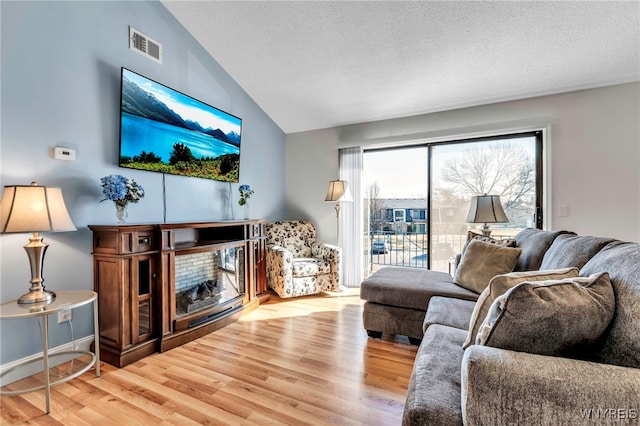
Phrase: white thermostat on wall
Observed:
(60, 153)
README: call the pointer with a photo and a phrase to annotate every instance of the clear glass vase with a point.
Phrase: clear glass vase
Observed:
(245, 210)
(121, 212)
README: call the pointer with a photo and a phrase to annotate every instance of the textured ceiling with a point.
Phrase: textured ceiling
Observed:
(312, 65)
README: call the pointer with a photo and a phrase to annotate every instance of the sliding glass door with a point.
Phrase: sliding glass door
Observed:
(504, 166)
(418, 197)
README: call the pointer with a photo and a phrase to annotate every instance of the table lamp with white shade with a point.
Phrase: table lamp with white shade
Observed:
(34, 209)
(486, 209)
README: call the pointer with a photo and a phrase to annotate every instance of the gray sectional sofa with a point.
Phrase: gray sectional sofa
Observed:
(519, 378)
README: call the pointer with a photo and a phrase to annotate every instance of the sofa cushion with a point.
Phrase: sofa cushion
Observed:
(572, 250)
(482, 261)
(309, 267)
(448, 311)
(621, 344)
(499, 285)
(534, 244)
(555, 317)
(434, 393)
(410, 287)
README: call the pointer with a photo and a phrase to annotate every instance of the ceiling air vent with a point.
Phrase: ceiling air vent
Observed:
(145, 45)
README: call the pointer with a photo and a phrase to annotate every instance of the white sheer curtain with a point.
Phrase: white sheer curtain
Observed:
(352, 223)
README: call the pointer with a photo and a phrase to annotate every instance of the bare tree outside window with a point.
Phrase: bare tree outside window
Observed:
(376, 208)
(504, 169)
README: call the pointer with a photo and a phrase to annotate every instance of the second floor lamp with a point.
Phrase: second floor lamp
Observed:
(338, 192)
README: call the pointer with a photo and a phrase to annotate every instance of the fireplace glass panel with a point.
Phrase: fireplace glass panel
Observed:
(209, 279)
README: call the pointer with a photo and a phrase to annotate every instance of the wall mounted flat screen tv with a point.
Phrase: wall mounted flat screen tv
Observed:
(163, 130)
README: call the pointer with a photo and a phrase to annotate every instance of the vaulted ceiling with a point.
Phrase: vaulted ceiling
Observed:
(319, 64)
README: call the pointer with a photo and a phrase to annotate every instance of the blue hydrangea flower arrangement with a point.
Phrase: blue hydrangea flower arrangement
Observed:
(121, 190)
(245, 193)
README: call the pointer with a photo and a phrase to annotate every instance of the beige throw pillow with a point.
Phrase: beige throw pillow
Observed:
(556, 317)
(482, 261)
(499, 285)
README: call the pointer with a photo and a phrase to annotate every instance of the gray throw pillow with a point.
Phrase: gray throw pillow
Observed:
(482, 261)
(509, 242)
(556, 317)
(499, 285)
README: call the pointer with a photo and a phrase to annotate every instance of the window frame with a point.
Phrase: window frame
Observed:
(539, 136)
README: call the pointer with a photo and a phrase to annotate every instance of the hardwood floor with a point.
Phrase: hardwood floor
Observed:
(305, 361)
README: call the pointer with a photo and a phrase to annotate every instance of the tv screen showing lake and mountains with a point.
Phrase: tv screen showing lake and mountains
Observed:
(163, 130)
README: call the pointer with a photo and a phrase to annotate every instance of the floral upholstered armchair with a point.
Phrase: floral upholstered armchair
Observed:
(296, 264)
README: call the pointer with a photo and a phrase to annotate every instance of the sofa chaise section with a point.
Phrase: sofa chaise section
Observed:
(397, 299)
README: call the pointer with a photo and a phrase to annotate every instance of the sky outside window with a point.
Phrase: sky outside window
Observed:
(402, 172)
(399, 173)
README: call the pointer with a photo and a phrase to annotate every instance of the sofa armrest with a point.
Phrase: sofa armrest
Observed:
(326, 251)
(280, 258)
(507, 387)
(279, 269)
(333, 255)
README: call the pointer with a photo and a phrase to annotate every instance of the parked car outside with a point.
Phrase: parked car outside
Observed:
(380, 246)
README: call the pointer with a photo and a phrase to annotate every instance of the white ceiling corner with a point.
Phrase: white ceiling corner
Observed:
(320, 64)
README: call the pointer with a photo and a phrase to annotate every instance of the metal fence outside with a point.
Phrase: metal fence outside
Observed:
(411, 249)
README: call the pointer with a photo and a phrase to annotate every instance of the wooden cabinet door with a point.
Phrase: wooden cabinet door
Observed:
(143, 298)
(111, 282)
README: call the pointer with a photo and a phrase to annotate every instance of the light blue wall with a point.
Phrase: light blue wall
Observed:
(60, 71)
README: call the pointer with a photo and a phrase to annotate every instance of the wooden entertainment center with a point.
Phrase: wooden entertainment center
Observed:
(140, 304)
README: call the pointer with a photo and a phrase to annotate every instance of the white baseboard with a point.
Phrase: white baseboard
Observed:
(32, 367)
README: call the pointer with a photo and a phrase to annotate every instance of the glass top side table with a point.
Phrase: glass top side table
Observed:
(64, 300)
